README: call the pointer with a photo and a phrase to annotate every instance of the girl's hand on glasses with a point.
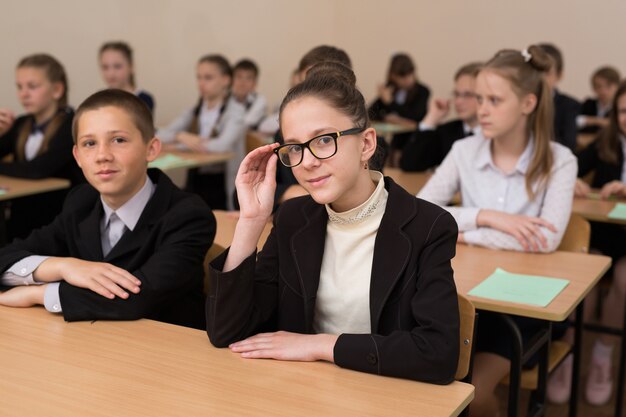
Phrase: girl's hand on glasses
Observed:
(256, 183)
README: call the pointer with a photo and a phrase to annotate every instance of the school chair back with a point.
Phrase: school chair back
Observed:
(575, 239)
(467, 315)
(577, 235)
(214, 251)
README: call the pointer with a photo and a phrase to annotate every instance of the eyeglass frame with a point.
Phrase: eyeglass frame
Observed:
(307, 144)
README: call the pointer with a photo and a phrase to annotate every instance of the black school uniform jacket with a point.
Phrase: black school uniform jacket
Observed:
(427, 148)
(413, 300)
(566, 109)
(590, 108)
(413, 108)
(56, 161)
(589, 160)
(165, 252)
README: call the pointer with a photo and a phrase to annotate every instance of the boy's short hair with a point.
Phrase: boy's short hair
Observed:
(555, 54)
(609, 74)
(246, 65)
(324, 53)
(130, 103)
(470, 69)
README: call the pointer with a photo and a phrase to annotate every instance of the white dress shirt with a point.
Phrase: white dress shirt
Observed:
(470, 170)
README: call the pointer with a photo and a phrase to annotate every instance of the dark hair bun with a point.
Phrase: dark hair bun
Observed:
(539, 59)
(332, 69)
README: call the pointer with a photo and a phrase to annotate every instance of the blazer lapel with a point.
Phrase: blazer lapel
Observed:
(307, 248)
(392, 248)
(89, 233)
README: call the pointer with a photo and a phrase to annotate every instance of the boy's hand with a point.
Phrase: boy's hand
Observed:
(23, 296)
(102, 278)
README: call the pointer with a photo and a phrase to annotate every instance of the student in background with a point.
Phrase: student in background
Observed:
(354, 231)
(401, 100)
(215, 124)
(116, 66)
(594, 113)
(517, 186)
(433, 140)
(245, 77)
(566, 108)
(126, 246)
(39, 142)
(607, 158)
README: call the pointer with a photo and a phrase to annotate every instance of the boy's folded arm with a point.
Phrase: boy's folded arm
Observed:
(173, 269)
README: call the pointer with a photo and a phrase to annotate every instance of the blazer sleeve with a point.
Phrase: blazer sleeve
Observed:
(421, 152)
(8, 140)
(243, 301)
(429, 352)
(173, 269)
(57, 156)
(588, 159)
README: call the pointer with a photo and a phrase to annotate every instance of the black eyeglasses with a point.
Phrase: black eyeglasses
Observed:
(322, 147)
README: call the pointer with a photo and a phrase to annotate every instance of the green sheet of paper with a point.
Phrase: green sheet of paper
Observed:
(170, 161)
(3, 191)
(517, 288)
(388, 128)
(618, 212)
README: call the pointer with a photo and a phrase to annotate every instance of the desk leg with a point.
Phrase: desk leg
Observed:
(621, 373)
(515, 375)
(578, 340)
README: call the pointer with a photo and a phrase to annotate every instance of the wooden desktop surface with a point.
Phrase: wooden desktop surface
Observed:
(198, 159)
(146, 368)
(596, 210)
(20, 187)
(473, 264)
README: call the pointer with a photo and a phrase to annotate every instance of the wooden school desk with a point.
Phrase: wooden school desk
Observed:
(387, 130)
(473, 264)
(146, 368)
(597, 210)
(413, 182)
(196, 159)
(19, 187)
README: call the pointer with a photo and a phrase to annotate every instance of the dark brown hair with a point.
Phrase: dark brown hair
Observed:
(555, 54)
(525, 71)
(123, 100)
(470, 69)
(324, 53)
(126, 51)
(608, 144)
(246, 65)
(610, 74)
(52, 68)
(401, 65)
(220, 61)
(335, 84)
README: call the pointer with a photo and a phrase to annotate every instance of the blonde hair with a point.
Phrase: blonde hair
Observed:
(525, 70)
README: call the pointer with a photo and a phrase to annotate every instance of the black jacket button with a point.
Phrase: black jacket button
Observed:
(372, 359)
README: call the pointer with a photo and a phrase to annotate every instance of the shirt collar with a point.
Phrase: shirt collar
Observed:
(484, 159)
(467, 129)
(130, 211)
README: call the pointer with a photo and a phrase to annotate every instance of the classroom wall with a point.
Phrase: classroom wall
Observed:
(169, 36)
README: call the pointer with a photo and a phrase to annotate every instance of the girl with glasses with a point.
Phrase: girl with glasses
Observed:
(357, 272)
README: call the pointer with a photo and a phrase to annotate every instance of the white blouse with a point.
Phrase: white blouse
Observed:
(470, 170)
(343, 293)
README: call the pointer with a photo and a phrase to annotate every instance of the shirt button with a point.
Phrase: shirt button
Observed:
(23, 270)
(56, 307)
(372, 359)
(500, 199)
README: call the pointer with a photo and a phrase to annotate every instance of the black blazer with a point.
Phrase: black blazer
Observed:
(414, 107)
(590, 108)
(413, 302)
(427, 148)
(165, 252)
(565, 111)
(57, 161)
(589, 160)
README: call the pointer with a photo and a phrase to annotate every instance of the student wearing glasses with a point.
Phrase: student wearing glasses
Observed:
(357, 272)
(431, 143)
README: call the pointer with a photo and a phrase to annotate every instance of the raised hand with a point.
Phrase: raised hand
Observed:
(6, 120)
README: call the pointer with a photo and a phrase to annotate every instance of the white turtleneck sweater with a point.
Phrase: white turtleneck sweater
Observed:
(343, 294)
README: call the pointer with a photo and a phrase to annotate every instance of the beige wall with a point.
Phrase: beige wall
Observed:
(169, 36)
